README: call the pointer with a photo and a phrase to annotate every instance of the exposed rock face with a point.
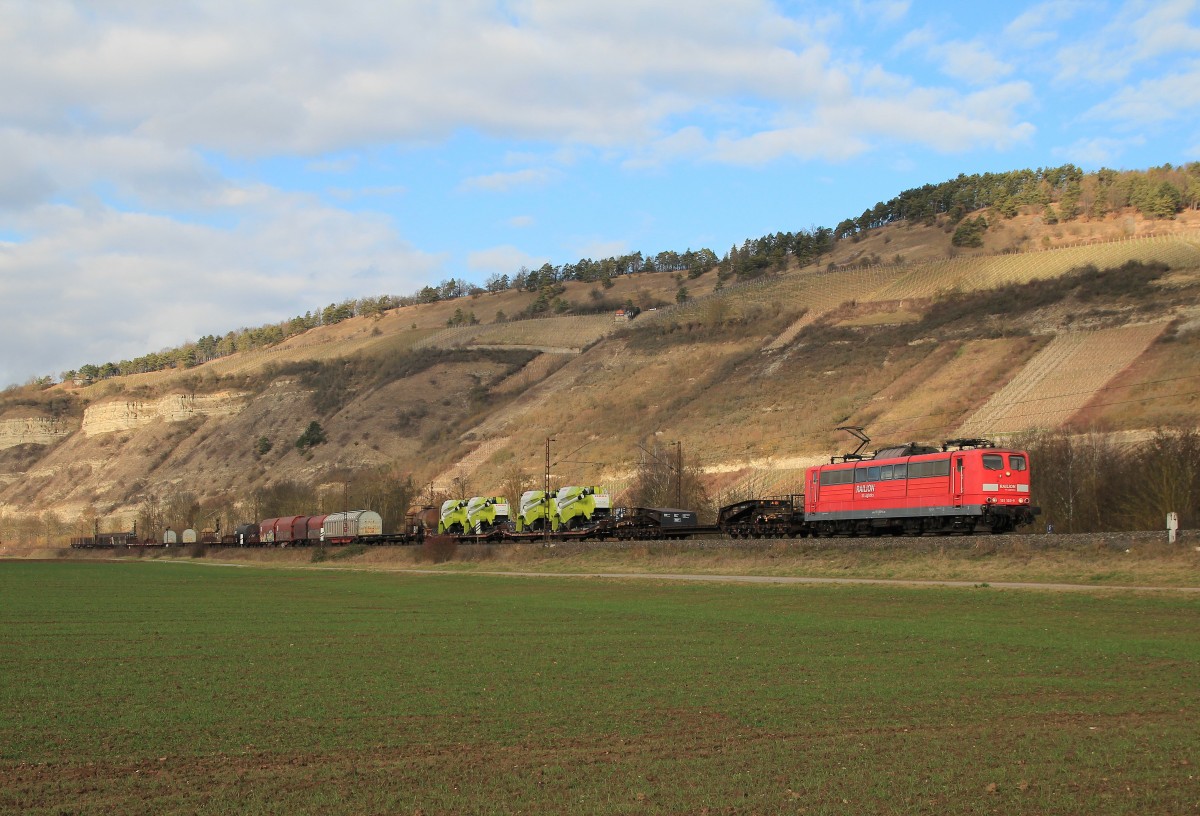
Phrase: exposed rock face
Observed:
(125, 415)
(32, 431)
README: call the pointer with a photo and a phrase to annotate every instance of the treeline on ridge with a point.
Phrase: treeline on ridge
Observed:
(1063, 193)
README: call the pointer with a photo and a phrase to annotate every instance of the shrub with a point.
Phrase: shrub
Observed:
(970, 232)
(313, 435)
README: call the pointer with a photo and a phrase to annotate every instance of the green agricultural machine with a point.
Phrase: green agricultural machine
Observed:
(454, 518)
(580, 506)
(537, 511)
(486, 513)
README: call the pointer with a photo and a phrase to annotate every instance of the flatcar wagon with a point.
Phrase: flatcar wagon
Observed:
(764, 518)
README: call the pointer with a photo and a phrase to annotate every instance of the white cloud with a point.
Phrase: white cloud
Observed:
(1164, 29)
(800, 141)
(307, 77)
(503, 260)
(503, 182)
(521, 221)
(385, 191)
(1153, 101)
(600, 248)
(102, 285)
(838, 131)
(918, 39)
(1037, 26)
(881, 11)
(1096, 151)
(972, 62)
(1141, 33)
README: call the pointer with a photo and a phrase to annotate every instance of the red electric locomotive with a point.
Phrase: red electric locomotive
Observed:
(966, 486)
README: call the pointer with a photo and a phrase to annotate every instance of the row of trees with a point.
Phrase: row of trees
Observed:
(1091, 483)
(1063, 193)
(603, 271)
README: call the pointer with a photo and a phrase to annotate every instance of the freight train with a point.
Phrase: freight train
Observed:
(965, 486)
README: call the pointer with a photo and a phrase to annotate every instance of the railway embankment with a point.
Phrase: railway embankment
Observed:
(1122, 559)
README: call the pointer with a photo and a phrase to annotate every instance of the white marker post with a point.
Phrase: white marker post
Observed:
(1172, 527)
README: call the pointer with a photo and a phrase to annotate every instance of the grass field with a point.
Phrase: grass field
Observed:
(156, 687)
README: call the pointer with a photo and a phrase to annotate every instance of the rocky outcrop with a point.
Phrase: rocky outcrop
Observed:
(32, 431)
(125, 415)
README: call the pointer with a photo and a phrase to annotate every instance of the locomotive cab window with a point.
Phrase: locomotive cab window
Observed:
(1016, 461)
(873, 474)
(860, 475)
(886, 473)
(900, 472)
(993, 461)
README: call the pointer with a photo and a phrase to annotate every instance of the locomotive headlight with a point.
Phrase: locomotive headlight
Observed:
(991, 499)
(1008, 473)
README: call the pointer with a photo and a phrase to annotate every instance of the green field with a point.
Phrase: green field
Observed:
(156, 687)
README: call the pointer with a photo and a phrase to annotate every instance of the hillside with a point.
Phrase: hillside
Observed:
(896, 330)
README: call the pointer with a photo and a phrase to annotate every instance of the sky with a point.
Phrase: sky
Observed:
(175, 169)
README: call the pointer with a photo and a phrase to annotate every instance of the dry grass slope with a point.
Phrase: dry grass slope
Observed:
(965, 274)
(558, 333)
